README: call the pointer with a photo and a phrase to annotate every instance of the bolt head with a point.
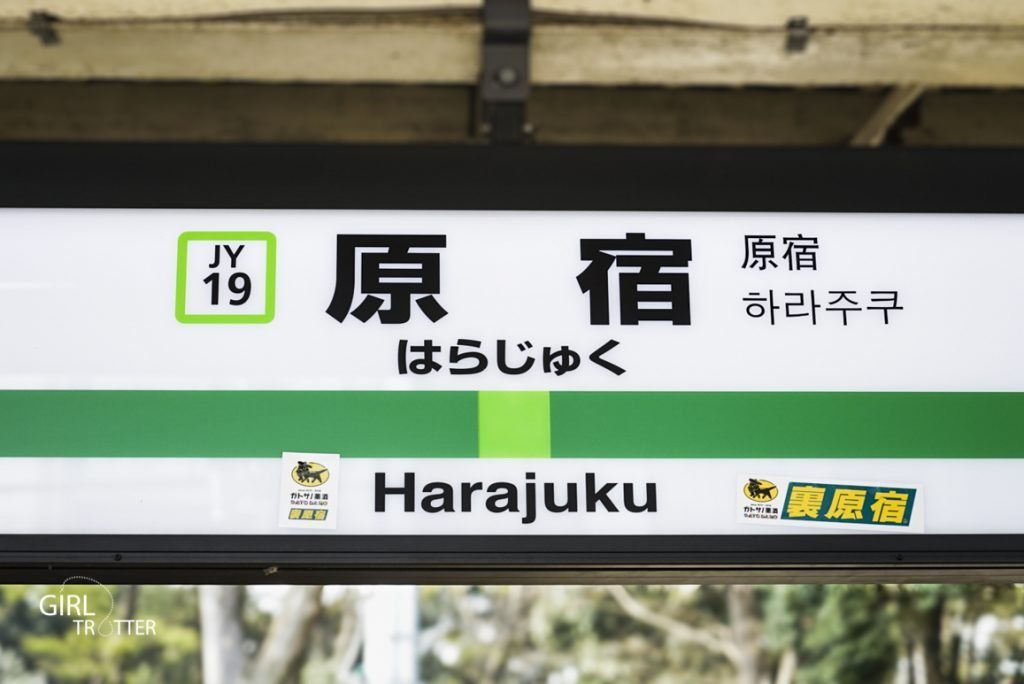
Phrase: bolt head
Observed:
(506, 76)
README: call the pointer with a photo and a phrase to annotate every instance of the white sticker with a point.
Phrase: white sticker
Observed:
(824, 503)
(309, 491)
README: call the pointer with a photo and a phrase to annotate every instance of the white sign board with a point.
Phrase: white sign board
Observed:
(510, 372)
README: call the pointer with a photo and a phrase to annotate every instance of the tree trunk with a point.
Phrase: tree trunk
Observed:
(509, 625)
(220, 618)
(741, 603)
(345, 649)
(390, 623)
(280, 657)
(902, 668)
(923, 630)
(787, 667)
(920, 664)
(128, 599)
(931, 643)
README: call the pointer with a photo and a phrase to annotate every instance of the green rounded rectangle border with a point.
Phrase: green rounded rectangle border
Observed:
(182, 272)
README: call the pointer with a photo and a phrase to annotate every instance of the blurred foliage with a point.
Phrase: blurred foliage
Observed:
(50, 648)
(786, 634)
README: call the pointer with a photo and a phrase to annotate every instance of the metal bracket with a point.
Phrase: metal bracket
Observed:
(42, 26)
(505, 74)
(798, 32)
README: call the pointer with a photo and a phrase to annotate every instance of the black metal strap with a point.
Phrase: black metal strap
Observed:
(42, 25)
(798, 32)
(505, 74)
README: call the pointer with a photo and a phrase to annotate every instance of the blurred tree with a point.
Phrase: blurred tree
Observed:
(220, 616)
(55, 649)
(280, 656)
(798, 634)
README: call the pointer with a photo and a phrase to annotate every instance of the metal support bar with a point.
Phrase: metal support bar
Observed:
(505, 73)
(42, 25)
(798, 32)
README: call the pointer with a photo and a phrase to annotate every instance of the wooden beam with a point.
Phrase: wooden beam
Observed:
(750, 13)
(235, 112)
(432, 50)
(661, 116)
(873, 131)
(230, 112)
(687, 56)
(823, 13)
(973, 118)
(424, 52)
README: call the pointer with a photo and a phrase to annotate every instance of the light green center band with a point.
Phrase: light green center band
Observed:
(514, 424)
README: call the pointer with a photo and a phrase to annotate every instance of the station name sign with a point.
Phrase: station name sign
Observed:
(375, 372)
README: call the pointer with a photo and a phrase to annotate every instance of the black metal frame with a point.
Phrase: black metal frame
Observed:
(510, 178)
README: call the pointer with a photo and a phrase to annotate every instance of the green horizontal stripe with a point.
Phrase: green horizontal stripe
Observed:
(227, 423)
(445, 424)
(788, 424)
